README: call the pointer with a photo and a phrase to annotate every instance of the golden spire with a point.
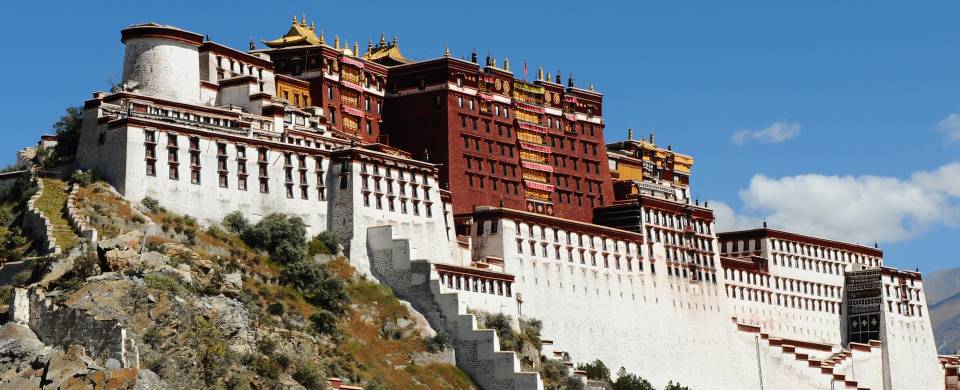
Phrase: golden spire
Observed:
(303, 20)
(313, 27)
(356, 48)
(446, 51)
(394, 39)
(336, 42)
(294, 20)
(591, 87)
(369, 45)
(506, 64)
(549, 76)
(540, 73)
(629, 134)
(651, 138)
(383, 39)
(322, 38)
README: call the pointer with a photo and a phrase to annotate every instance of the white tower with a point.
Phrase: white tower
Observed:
(162, 61)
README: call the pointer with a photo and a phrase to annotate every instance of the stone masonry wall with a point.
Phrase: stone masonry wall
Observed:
(76, 218)
(61, 326)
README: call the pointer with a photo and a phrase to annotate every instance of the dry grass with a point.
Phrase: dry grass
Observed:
(53, 204)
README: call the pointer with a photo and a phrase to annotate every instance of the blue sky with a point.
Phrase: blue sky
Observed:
(844, 100)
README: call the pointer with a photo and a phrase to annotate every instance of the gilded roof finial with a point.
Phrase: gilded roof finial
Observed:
(570, 80)
(446, 51)
(303, 20)
(549, 76)
(394, 39)
(506, 63)
(294, 20)
(313, 27)
(629, 134)
(559, 77)
(651, 138)
(383, 39)
(540, 73)
(591, 87)
(369, 46)
(323, 39)
(336, 42)
(356, 48)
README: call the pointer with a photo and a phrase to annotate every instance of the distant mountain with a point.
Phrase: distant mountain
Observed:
(943, 299)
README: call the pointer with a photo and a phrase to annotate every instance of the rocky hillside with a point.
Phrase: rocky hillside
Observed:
(943, 298)
(238, 306)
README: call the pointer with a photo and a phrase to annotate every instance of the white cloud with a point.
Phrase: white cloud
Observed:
(779, 131)
(728, 219)
(860, 209)
(950, 127)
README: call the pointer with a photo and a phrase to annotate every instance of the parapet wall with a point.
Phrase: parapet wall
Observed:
(63, 326)
(38, 226)
(76, 218)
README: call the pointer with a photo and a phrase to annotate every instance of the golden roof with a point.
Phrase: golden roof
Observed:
(385, 54)
(298, 35)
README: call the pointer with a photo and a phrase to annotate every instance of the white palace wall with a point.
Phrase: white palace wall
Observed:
(164, 68)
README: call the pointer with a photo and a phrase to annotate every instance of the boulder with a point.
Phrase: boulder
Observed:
(231, 319)
(148, 380)
(153, 261)
(128, 240)
(179, 251)
(121, 259)
(18, 341)
(232, 284)
(65, 365)
(184, 275)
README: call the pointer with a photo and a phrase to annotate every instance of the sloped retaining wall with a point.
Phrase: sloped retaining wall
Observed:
(63, 326)
(76, 218)
(477, 350)
(38, 226)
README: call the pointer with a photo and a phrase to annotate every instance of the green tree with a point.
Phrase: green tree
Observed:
(236, 222)
(675, 386)
(595, 370)
(628, 381)
(68, 132)
(282, 236)
(324, 243)
(318, 286)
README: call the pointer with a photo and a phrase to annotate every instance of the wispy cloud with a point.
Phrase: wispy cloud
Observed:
(950, 127)
(860, 209)
(777, 132)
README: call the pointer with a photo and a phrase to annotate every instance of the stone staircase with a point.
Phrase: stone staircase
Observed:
(827, 371)
(477, 350)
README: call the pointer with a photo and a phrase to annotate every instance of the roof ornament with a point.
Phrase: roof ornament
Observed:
(395, 39)
(426, 155)
(651, 138)
(592, 88)
(473, 56)
(549, 76)
(506, 64)
(764, 222)
(294, 20)
(369, 46)
(446, 51)
(336, 42)
(570, 80)
(313, 27)
(383, 39)
(252, 46)
(323, 39)
(559, 77)
(629, 134)
(540, 73)
(356, 48)
(303, 20)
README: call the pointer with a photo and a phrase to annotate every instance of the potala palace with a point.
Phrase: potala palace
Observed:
(462, 186)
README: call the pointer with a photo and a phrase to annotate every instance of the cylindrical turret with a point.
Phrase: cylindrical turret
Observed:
(162, 61)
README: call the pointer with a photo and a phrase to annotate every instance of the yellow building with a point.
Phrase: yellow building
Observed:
(294, 91)
(642, 161)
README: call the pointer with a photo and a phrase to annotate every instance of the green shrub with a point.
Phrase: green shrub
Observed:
(281, 235)
(151, 204)
(81, 178)
(309, 376)
(217, 232)
(318, 286)
(438, 342)
(236, 222)
(501, 324)
(164, 283)
(675, 386)
(275, 308)
(323, 244)
(325, 323)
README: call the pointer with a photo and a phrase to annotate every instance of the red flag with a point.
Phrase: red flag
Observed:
(524, 69)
